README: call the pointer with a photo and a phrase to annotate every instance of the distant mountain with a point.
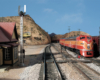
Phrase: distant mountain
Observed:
(52, 34)
(38, 35)
(56, 37)
(71, 34)
(74, 33)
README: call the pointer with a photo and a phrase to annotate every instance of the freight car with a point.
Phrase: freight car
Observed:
(96, 45)
(55, 41)
(82, 44)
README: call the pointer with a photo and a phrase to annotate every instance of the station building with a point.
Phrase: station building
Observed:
(8, 43)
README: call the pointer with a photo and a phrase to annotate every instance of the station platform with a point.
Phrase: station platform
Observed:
(31, 68)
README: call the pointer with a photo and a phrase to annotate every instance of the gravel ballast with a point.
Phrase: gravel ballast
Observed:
(69, 71)
(32, 71)
(91, 65)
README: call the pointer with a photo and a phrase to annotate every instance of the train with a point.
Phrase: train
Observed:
(96, 49)
(82, 44)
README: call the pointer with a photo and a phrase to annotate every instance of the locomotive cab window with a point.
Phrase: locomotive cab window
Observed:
(88, 38)
(82, 37)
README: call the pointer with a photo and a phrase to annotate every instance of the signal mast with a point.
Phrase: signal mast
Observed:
(99, 41)
(21, 14)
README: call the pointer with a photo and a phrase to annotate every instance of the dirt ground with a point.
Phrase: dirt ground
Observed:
(13, 73)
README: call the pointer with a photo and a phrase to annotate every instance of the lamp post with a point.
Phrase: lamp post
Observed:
(21, 14)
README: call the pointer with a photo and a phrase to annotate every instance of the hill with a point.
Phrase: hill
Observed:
(52, 34)
(71, 34)
(74, 33)
(38, 35)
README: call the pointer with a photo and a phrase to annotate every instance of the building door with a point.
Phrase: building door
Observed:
(1, 56)
(7, 55)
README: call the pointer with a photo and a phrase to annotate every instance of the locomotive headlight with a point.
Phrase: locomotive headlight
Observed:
(88, 46)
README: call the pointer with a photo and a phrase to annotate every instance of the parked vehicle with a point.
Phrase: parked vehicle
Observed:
(82, 44)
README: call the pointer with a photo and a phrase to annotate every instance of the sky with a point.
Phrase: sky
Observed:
(55, 16)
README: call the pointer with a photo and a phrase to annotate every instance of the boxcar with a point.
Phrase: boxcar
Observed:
(96, 45)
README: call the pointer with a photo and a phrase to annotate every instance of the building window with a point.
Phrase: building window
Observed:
(7, 53)
(15, 52)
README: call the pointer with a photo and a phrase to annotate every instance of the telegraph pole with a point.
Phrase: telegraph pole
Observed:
(21, 14)
(69, 31)
(2, 19)
(74, 34)
(31, 33)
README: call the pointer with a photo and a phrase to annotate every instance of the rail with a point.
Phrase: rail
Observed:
(84, 72)
(47, 61)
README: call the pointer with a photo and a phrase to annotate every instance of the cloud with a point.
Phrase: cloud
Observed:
(79, 4)
(41, 1)
(78, 1)
(71, 18)
(49, 10)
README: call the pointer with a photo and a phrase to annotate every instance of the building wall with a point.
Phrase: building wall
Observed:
(13, 36)
(1, 57)
(8, 62)
(15, 60)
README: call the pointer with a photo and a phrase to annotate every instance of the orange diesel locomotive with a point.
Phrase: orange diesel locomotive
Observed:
(82, 44)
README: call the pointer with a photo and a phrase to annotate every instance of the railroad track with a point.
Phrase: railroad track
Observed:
(50, 68)
(85, 70)
(93, 60)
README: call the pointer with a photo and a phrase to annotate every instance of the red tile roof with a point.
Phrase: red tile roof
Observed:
(6, 31)
(3, 37)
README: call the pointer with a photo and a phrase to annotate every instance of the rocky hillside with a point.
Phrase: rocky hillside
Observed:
(71, 34)
(74, 33)
(38, 35)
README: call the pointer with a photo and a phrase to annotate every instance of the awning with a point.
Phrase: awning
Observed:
(5, 45)
(13, 44)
